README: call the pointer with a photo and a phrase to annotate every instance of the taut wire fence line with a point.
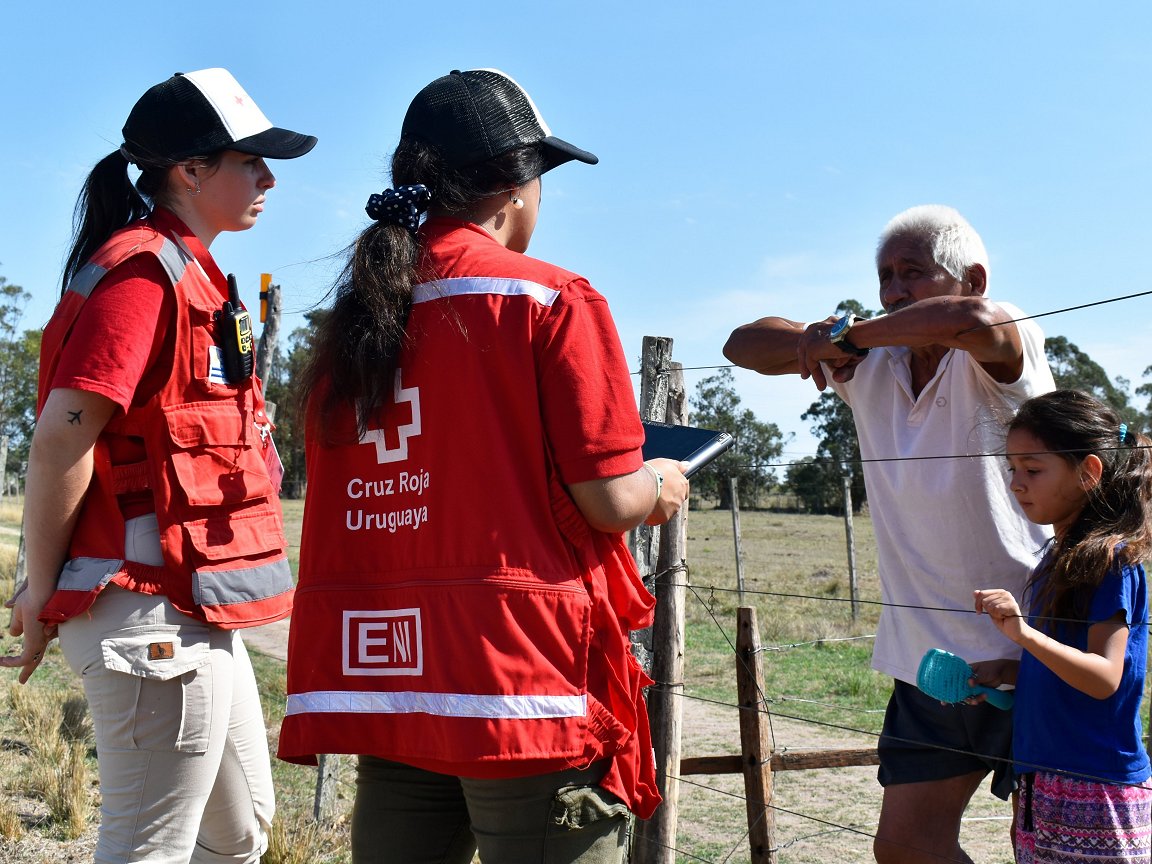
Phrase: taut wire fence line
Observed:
(759, 756)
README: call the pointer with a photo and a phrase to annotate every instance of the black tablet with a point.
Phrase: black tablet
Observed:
(688, 444)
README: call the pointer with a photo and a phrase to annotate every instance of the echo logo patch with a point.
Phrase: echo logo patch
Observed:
(383, 642)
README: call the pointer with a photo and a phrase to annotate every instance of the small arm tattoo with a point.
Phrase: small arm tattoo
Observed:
(74, 417)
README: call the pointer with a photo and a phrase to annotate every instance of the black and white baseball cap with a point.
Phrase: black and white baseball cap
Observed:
(472, 116)
(199, 113)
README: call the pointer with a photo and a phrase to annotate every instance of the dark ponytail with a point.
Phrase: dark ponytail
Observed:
(358, 343)
(109, 201)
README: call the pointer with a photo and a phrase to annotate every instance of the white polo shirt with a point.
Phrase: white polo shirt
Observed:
(944, 527)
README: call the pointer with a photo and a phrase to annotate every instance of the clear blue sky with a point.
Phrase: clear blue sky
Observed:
(750, 152)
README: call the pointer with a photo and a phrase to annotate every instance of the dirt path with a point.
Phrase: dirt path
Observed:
(271, 639)
(821, 816)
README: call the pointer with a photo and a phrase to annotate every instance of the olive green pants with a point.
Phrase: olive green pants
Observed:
(405, 815)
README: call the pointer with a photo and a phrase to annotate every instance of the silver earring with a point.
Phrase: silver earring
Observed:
(194, 191)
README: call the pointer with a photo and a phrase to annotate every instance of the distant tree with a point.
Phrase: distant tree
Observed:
(811, 483)
(1075, 370)
(715, 405)
(837, 452)
(19, 367)
(1145, 390)
(282, 389)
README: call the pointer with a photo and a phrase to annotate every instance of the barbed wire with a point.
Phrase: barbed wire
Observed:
(828, 460)
(765, 701)
(836, 828)
(713, 589)
(766, 648)
(1056, 312)
(665, 370)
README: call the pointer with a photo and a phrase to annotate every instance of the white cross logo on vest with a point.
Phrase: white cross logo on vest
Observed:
(404, 430)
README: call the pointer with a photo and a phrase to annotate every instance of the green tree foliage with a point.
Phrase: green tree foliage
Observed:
(715, 405)
(281, 388)
(19, 367)
(818, 483)
(1145, 391)
(1075, 370)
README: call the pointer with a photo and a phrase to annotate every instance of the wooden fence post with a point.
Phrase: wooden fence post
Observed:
(269, 340)
(755, 744)
(656, 837)
(270, 335)
(850, 537)
(655, 364)
(734, 497)
(327, 779)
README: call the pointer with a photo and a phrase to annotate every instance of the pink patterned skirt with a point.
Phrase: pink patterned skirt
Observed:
(1075, 821)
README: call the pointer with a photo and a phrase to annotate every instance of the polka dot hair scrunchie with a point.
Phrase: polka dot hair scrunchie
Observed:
(401, 206)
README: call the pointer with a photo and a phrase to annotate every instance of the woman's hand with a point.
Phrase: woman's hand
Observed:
(60, 466)
(673, 490)
(26, 608)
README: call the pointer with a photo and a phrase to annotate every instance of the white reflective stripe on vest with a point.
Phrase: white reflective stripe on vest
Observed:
(461, 285)
(241, 584)
(171, 258)
(438, 704)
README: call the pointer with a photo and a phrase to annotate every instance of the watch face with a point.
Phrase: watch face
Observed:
(839, 327)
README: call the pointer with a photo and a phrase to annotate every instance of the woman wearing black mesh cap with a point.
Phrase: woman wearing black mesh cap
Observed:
(152, 521)
(465, 593)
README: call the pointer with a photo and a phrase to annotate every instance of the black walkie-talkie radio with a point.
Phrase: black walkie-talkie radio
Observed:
(235, 328)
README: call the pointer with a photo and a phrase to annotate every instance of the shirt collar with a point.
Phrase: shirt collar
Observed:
(438, 226)
(171, 225)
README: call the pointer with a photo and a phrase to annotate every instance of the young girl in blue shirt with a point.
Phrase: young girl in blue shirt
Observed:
(1078, 746)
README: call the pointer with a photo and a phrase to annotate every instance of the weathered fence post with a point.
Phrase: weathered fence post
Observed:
(269, 338)
(327, 780)
(734, 497)
(755, 744)
(655, 364)
(270, 335)
(850, 537)
(657, 836)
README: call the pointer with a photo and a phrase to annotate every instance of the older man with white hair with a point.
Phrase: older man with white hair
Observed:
(937, 375)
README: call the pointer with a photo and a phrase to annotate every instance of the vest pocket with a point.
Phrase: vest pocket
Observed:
(213, 454)
(207, 365)
(229, 535)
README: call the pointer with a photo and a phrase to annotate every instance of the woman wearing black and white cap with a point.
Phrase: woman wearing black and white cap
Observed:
(152, 523)
(474, 455)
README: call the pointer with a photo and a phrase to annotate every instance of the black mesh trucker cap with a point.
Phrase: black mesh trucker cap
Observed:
(473, 116)
(198, 113)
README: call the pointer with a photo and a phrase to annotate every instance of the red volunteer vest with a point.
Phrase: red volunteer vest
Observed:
(220, 526)
(455, 612)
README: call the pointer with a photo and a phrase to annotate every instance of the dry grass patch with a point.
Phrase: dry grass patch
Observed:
(297, 839)
(55, 770)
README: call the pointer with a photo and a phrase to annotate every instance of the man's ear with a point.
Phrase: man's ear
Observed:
(1091, 470)
(977, 278)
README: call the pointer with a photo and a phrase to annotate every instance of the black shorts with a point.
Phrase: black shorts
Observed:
(923, 740)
